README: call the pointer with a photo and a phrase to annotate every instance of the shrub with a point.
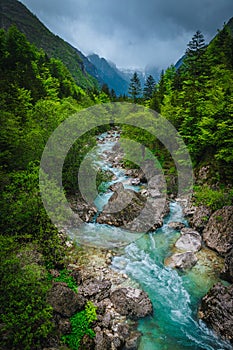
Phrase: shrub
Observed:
(214, 199)
(66, 278)
(81, 325)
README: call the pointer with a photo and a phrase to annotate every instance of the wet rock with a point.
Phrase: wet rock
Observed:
(75, 273)
(87, 343)
(187, 206)
(150, 170)
(154, 193)
(135, 182)
(227, 272)
(176, 225)
(216, 310)
(182, 261)
(94, 288)
(145, 173)
(157, 182)
(117, 342)
(200, 217)
(116, 147)
(64, 301)
(132, 342)
(102, 305)
(132, 211)
(84, 210)
(136, 174)
(102, 341)
(144, 192)
(131, 302)
(124, 330)
(218, 234)
(190, 240)
(63, 324)
(106, 320)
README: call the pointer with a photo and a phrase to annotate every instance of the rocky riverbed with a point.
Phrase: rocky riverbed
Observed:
(215, 234)
(120, 301)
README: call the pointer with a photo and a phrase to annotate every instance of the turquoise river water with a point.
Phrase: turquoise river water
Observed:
(175, 296)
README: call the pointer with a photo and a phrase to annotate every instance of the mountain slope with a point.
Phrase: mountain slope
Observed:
(109, 73)
(13, 12)
(230, 24)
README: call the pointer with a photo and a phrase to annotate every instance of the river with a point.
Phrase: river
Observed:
(175, 295)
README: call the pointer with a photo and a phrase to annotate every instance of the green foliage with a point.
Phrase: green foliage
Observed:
(23, 215)
(36, 95)
(66, 278)
(213, 198)
(36, 33)
(198, 100)
(81, 325)
(25, 315)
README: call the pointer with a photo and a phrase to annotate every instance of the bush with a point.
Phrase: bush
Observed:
(214, 199)
(81, 325)
(66, 278)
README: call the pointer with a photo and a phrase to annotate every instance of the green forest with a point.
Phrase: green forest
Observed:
(37, 94)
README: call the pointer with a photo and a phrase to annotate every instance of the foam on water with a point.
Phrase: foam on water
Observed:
(174, 324)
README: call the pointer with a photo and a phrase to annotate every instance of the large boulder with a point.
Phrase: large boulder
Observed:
(132, 343)
(227, 272)
(84, 210)
(181, 261)
(131, 302)
(131, 210)
(176, 225)
(216, 310)
(64, 300)
(190, 240)
(218, 234)
(95, 289)
(200, 217)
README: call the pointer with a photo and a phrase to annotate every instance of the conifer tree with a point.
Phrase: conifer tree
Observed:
(149, 88)
(194, 54)
(135, 87)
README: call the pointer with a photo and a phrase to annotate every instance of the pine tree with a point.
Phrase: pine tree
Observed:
(194, 54)
(149, 88)
(135, 87)
(113, 95)
(196, 45)
(105, 89)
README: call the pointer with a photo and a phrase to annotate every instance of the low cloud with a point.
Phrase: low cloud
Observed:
(132, 33)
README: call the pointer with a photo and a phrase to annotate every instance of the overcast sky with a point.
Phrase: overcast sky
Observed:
(132, 33)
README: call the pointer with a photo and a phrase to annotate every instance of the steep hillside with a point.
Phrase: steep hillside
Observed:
(230, 24)
(109, 73)
(14, 12)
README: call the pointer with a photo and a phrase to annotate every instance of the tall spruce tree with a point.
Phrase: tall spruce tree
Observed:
(149, 88)
(194, 55)
(135, 87)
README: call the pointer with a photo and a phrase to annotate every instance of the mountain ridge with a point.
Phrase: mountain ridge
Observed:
(110, 74)
(13, 12)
